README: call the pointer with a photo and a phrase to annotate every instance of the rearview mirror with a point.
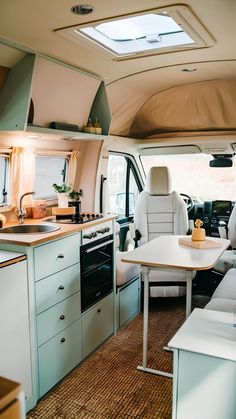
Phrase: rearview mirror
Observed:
(221, 161)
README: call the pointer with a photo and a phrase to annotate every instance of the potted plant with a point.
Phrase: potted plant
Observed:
(62, 194)
(74, 199)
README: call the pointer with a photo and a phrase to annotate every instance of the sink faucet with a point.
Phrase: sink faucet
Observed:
(21, 215)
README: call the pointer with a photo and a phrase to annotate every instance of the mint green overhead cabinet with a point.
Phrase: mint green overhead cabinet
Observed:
(59, 93)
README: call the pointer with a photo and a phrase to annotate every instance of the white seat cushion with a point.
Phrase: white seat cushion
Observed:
(226, 261)
(227, 287)
(221, 304)
(125, 271)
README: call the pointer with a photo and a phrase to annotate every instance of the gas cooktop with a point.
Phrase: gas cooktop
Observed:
(75, 219)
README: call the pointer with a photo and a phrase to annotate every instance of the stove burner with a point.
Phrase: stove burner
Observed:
(80, 218)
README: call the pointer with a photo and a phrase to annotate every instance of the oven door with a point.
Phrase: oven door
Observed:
(96, 271)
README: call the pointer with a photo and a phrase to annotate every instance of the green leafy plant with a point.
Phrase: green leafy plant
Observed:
(76, 195)
(61, 188)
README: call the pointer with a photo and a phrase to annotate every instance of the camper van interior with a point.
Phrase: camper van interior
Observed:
(117, 209)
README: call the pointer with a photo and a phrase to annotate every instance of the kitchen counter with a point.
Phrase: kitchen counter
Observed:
(38, 238)
(8, 258)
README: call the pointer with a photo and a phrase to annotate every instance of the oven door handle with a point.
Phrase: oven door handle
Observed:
(99, 246)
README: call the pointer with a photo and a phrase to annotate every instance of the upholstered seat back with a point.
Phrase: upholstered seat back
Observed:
(159, 211)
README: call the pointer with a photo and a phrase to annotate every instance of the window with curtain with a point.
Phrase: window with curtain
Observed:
(4, 180)
(49, 170)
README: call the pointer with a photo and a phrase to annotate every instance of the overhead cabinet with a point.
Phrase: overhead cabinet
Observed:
(40, 91)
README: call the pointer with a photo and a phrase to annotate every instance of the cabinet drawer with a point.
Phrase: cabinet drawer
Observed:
(59, 356)
(129, 301)
(57, 287)
(57, 318)
(54, 257)
(97, 325)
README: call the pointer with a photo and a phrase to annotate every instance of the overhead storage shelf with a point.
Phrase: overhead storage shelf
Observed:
(39, 91)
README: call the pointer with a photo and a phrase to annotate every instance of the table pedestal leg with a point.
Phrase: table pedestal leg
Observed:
(145, 272)
(189, 279)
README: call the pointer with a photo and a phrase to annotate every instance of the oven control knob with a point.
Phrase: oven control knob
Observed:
(88, 236)
(106, 229)
(101, 231)
(94, 234)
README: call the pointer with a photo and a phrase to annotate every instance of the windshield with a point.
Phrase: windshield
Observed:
(192, 175)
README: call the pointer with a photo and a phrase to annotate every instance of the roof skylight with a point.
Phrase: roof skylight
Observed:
(139, 33)
(152, 32)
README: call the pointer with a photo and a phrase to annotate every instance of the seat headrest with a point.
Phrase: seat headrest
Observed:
(158, 182)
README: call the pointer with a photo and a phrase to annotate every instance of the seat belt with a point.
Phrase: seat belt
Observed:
(135, 234)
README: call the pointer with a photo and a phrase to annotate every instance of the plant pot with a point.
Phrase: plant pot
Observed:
(62, 199)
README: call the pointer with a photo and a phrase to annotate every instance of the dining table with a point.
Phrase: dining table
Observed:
(176, 252)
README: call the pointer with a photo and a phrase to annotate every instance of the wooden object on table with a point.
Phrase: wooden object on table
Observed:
(202, 244)
(9, 404)
(198, 233)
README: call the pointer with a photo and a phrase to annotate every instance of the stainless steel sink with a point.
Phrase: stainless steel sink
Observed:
(29, 229)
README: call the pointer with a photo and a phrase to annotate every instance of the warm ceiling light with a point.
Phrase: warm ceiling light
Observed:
(189, 70)
(82, 9)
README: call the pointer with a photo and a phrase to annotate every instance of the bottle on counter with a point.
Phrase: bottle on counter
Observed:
(97, 126)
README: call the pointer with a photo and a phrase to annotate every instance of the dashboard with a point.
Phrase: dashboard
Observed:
(213, 214)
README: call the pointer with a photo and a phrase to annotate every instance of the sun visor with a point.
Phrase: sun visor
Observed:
(204, 106)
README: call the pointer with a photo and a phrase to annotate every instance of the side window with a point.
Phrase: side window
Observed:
(123, 185)
(49, 170)
(4, 180)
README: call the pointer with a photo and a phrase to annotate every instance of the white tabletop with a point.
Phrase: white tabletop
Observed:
(165, 251)
(207, 332)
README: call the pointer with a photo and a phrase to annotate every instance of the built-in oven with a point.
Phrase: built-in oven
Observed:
(96, 270)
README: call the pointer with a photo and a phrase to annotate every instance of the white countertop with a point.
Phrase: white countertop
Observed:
(207, 332)
(166, 251)
(7, 258)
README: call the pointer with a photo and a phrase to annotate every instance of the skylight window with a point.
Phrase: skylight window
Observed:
(137, 34)
(156, 31)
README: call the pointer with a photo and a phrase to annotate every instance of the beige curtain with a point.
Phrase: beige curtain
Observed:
(72, 167)
(23, 175)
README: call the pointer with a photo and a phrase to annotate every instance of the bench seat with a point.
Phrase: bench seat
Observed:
(224, 297)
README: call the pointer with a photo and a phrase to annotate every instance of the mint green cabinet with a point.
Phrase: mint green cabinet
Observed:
(57, 287)
(97, 325)
(57, 318)
(53, 257)
(58, 357)
(58, 324)
(128, 302)
(51, 86)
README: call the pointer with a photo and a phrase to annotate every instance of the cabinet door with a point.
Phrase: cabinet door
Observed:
(129, 302)
(15, 358)
(59, 356)
(53, 257)
(97, 325)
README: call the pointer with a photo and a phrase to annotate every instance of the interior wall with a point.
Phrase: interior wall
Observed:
(86, 175)
(3, 75)
(87, 162)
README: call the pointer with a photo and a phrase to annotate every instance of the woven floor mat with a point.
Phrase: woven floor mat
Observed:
(108, 384)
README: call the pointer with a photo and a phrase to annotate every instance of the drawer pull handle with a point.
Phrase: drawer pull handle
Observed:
(62, 317)
(60, 256)
(63, 340)
(61, 287)
(99, 310)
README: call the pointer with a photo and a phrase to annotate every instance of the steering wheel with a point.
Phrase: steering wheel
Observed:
(188, 201)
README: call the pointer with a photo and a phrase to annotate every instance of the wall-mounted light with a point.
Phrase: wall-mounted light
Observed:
(189, 69)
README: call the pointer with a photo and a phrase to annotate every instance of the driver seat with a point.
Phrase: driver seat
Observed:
(160, 212)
